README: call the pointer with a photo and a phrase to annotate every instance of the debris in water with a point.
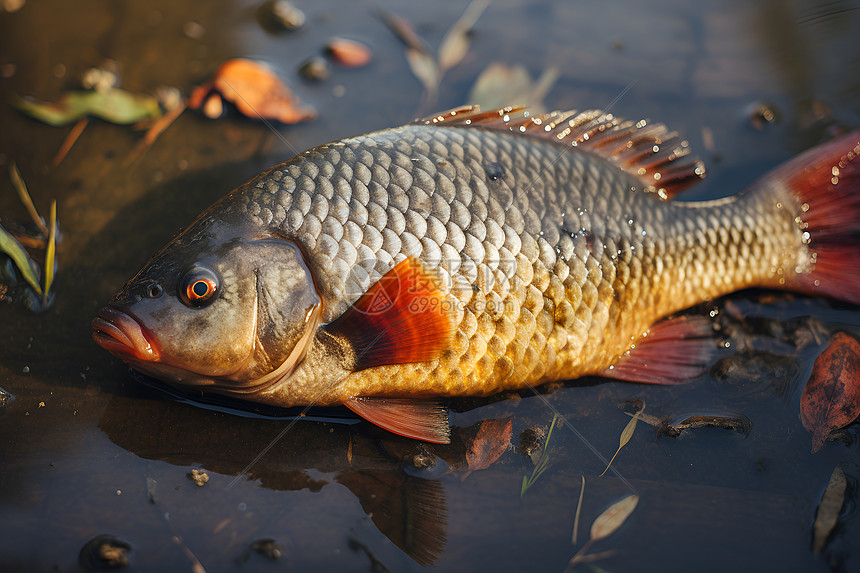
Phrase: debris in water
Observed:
(315, 68)
(348, 53)
(454, 47)
(255, 91)
(530, 443)
(268, 548)
(104, 552)
(603, 526)
(12, 247)
(199, 477)
(500, 83)
(6, 398)
(493, 438)
(543, 461)
(114, 105)
(277, 16)
(831, 399)
(455, 44)
(829, 509)
(739, 423)
(626, 434)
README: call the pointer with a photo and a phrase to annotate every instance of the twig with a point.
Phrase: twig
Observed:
(70, 140)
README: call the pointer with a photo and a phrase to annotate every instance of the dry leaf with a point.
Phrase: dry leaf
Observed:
(424, 68)
(500, 85)
(831, 399)
(455, 44)
(255, 91)
(626, 434)
(828, 509)
(348, 53)
(493, 438)
(613, 518)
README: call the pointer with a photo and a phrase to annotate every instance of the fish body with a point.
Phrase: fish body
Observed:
(521, 249)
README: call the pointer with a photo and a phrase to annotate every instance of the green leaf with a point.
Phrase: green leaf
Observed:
(114, 105)
(26, 266)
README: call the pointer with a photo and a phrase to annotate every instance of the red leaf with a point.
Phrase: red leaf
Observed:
(492, 440)
(831, 399)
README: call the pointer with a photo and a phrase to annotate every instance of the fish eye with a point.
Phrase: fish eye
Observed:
(198, 286)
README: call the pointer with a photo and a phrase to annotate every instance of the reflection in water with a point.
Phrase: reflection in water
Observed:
(394, 479)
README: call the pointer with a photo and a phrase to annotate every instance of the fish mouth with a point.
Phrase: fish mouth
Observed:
(121, 335)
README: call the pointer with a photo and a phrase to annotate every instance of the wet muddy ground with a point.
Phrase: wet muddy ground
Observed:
(86, 448)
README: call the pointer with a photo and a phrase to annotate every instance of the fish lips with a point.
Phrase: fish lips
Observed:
(121, 334)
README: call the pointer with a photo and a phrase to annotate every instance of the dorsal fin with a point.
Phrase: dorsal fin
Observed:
(649, 151)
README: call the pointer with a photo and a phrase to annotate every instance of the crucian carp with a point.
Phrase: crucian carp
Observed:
(470, 253)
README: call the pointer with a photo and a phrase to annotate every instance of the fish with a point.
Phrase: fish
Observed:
(471, 253)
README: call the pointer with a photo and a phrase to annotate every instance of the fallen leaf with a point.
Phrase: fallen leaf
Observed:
(831, 399)
(828, 509)
(500, 85)
(403, 29)
(493, 438)
(626, 434)
(424, 68)
(455, 44)
(348, 53)
(113, 105)
(607, 523)
(613, 517)
(255, 91)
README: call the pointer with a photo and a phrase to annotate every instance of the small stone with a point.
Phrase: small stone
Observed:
(193, 30)
(280, 16)
(104, 552)
(315, 68)
(199, 477)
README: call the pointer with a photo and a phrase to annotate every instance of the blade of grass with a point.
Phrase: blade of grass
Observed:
(22, 260)
(542, 464)
(24, 195)
(50, 252)
(578, 511)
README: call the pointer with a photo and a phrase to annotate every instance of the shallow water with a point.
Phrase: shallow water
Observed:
(87, 449)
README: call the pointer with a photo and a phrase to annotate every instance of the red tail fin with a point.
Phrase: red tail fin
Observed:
(826, 183)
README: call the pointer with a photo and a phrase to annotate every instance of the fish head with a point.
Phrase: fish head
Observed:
(215, 309)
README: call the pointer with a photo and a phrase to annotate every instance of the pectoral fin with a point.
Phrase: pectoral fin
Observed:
(420, 419)
(671, 352)
(400, 319)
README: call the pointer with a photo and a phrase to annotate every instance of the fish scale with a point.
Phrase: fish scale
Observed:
(561, 291)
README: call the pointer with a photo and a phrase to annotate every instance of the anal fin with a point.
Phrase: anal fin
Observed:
(673, 351)
(425, 420)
